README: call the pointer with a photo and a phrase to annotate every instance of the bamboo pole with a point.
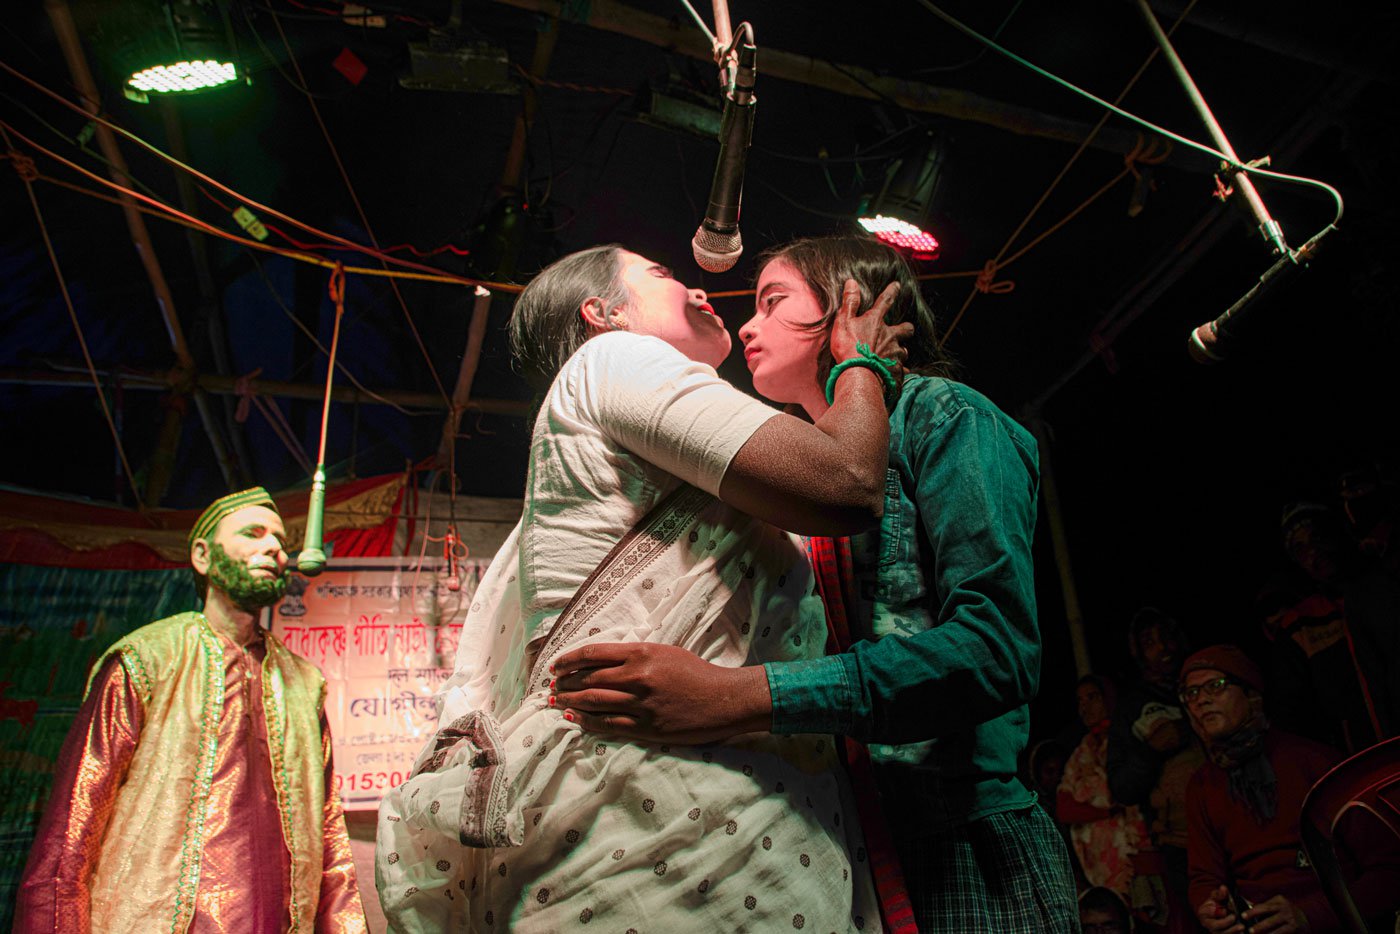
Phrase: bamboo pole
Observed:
(1074, 615)
(462, 392)
(210, 305)
(163, 460)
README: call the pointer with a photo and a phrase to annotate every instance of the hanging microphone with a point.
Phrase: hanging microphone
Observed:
(717, 243)
(312, 558)
(1211, 342)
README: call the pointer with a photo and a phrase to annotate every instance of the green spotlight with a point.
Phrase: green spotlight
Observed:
(193, 50)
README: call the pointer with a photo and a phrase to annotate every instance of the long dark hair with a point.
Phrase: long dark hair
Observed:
(827, 262)
(546, 327)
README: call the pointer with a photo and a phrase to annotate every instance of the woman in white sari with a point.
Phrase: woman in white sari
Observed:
(516, 819)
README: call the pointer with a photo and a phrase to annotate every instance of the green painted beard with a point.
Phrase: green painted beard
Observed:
(247, 592)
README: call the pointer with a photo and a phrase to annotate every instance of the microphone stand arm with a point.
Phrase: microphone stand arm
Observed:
(1268, 227)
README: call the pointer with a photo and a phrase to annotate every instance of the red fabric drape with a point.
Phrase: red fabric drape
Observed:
(831, 563)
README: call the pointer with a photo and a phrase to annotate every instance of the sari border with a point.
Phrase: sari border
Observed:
(643, 543)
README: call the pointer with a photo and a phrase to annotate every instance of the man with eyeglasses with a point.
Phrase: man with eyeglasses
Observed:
(1248, 871)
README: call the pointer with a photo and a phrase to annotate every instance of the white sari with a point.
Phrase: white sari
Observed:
(517, 820)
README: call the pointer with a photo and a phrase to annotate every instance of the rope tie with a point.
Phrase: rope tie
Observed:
(1144, 152)
(986, 280)
(248, 397)
(1102, 347)
(243, 389)
(337, 288)
(24, 166)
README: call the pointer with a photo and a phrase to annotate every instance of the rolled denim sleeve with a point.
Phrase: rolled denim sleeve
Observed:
(814, 696)
(974, 477)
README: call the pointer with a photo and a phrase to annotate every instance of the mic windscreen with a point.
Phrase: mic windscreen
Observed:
(1205, 345)
(716, 252)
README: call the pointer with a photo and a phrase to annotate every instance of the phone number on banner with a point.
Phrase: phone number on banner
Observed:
(369, 781)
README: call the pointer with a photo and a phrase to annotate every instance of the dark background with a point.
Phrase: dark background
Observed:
(1172, 475)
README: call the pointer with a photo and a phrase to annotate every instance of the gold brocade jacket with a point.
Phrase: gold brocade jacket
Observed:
(146, 872)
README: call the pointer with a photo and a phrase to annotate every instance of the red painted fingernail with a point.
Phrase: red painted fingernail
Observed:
(552, 682)
(551, 669)
(569, 716)
(552, 700)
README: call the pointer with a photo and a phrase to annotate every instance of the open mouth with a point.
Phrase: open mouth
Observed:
(262, 563)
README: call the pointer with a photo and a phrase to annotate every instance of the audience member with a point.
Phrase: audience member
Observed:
(1151, 755)
(1101, 911)
(1246, 862)
(1328, 696)
(1105, 835)
(1045, 765)
(1373, 595)
(1368, 502)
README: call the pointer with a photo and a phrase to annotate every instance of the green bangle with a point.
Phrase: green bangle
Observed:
(865, 357)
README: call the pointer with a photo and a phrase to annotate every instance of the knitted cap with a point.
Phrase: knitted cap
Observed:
(1228, 659)
(209, 519)
(1301, 511)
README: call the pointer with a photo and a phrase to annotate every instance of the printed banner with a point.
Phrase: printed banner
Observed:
(384, 633)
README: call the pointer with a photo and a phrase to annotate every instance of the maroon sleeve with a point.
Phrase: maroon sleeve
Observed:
(1206, 862)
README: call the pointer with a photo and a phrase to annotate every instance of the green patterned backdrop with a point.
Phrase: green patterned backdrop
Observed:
(54, 623)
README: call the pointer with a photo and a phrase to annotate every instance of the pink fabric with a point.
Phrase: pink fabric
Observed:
(244, 881)
(1106, 844)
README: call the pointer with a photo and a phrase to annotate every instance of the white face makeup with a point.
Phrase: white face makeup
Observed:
(660, 306)
(779, 346)
(254, 537)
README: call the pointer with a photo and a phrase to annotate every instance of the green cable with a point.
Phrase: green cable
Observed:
(1234, 164)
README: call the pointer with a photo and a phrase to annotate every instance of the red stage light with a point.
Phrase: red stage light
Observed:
(902, 235)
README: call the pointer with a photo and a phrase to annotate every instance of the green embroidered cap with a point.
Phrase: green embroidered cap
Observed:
(209, 519)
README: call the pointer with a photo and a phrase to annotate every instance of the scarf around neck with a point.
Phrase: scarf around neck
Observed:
(1241, 755)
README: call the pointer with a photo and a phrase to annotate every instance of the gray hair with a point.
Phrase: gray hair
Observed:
(546, 327)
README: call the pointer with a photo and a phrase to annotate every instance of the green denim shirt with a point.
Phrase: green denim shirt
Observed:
(949, 654)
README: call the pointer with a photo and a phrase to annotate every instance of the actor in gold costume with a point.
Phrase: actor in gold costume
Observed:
(194, 791)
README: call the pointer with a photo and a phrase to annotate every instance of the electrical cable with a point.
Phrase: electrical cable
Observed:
(272, 59)
(28, 174)
(311, 335)
(311, 247)
(1233, 165)
(355, 198)
(833, 215)
(982, 283)
(169, 213)
(251, 255)
(127, 134)
(944, 69)
(857, 157)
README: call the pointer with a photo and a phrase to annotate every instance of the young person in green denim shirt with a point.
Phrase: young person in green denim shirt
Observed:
(949, 655)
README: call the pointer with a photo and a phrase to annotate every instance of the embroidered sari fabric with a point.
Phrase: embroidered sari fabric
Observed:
(516, 819)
